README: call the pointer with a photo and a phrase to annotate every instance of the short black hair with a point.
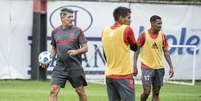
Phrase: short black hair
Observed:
(120, 11)
(67, 10)
(154, 18)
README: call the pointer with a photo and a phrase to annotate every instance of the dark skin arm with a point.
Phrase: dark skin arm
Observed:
(168, 59)
(136, 54)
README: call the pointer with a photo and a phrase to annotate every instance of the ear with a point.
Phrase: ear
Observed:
(152, 23)
(120, 19)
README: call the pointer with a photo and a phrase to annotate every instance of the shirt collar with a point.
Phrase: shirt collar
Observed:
(115, 25)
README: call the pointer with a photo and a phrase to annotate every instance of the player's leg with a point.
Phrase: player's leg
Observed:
(81, 93)
(147, 75)
(58, 81)
(146, 92)
(125, 88)
(56, 84)
(54, 92)
(78, 83)
(155, 92)
(157, 83)
(113, 94)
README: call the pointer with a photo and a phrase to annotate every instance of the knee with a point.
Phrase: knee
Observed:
(80, 91)
(146, 92)
(54, 90)
(155, 94)
(156, 91)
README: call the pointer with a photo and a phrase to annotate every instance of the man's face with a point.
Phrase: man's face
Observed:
(66, 18)
(157, 25)
(125, 20)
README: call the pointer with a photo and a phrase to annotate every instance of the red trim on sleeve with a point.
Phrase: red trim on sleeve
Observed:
(82, 38)
(165, 43)
(141, 39)
(129, 37)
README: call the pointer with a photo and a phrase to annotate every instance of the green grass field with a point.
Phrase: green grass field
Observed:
(27, 90)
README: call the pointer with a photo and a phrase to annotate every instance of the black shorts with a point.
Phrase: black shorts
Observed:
(120, 89)
(152, 77)
(75, 77)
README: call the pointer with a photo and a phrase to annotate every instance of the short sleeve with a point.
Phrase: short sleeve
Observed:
(141, 40)
(129, 37)
(165, 43)
(82, 39)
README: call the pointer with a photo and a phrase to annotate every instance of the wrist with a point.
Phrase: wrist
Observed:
(77, 51)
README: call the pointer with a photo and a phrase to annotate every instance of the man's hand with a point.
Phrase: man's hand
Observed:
(171, 73)
(135, 71)
(72, 52)
(45, 66)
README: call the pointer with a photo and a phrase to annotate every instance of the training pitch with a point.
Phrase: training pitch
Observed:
(28, 90)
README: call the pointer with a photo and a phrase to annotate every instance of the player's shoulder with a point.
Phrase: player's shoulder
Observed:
(75, 28)
(128, 28)
(142, 33)
(106, 28)
(54, 31)
(162, 33)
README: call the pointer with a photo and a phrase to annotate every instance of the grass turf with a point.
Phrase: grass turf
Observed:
(28, 90)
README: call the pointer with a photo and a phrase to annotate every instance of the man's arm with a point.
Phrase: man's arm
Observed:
(129, 38)
(136, 54)
(83, 45)
(167, 56)
(83, 49)
(53, 51)
(168, 59)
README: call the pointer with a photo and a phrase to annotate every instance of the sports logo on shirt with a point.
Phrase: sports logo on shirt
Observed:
(154, 46)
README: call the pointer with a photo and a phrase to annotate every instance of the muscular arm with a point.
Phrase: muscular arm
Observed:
(168, 59)
(136, 54)
(140, 43)
(167, 56)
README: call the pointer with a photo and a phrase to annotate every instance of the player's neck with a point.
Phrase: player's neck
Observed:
(153, 31)
(66, 26)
